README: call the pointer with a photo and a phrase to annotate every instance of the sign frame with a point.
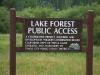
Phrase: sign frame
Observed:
(13, 49)
(77, 22)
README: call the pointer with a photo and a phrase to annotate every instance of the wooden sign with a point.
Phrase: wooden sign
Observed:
(51, 35)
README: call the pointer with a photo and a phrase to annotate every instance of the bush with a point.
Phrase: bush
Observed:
(97, 30)
(35, 12)
(72, 12)
(4, 20)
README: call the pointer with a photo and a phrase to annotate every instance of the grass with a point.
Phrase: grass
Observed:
(31, 63)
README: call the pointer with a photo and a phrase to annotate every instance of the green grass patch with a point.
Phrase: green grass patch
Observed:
(41, 63)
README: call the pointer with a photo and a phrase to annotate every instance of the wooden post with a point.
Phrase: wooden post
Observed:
(13, 41)
(89, 51)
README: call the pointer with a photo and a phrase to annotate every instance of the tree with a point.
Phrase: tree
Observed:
(1, 2)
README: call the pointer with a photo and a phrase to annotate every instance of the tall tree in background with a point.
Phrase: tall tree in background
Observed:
(57, 4)
(1, 2)
(8, 3)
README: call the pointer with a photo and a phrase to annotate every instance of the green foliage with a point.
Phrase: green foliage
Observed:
(41, 12)
(97, 30)
(9, 3)
(70, 13)
(4, 20)
(57, 4)
(1, 2)
(19, 4)
(36, 12)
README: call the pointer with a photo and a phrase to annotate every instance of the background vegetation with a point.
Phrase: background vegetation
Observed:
(50, 9)
(48, 63)
(52, 63)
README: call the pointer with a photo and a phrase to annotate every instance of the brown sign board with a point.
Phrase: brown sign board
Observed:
(52, 34)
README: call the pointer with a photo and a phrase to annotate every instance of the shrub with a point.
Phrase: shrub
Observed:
(38, 12)
(4, 20)
(97, 30)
